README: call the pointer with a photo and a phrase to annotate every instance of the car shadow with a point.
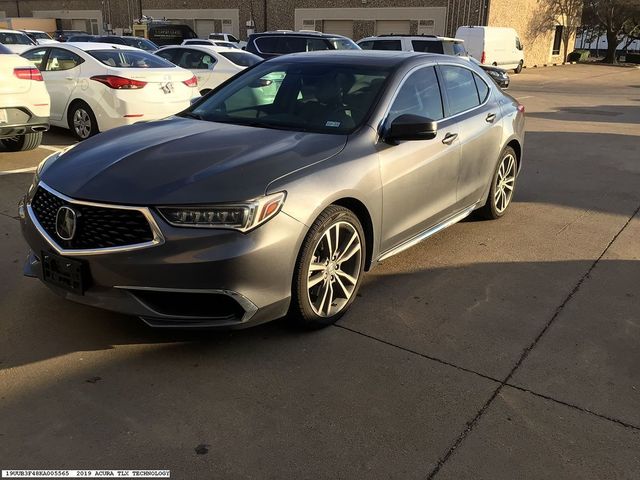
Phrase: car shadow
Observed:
(599, 113)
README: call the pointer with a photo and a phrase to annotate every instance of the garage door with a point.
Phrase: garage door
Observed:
(386, 27)
(339, 27)
(204, 28)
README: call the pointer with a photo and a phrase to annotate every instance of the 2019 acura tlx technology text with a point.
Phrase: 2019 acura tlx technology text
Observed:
(274, 193)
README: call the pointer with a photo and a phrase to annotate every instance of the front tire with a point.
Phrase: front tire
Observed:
(329, 269)
(82, 121)
(503, 184)
(22, 143)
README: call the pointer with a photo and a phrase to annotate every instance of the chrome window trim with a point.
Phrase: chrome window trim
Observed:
(247, 305)
(158, 237)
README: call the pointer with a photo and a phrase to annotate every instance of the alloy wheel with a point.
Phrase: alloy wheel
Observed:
(505, 181)
(334, 269)
(82, 123)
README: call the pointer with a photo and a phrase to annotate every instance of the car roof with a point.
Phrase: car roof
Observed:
(415, 37)
(34, 31)
(207, 47)
(89, 46)
(8, 30)
(389, 58)
(301, 33)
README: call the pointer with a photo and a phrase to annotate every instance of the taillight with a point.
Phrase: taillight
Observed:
(521, 108)
(483, 58)
(192, 82)
(28, 73)
(119, 83)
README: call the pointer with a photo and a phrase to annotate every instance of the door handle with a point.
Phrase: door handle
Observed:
(449, 138)
(491, 117)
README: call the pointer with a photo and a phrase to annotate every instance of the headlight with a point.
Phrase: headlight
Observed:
(237, 216)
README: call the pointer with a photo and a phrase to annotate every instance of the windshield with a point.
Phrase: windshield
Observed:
(242, 59)
(12, 38)
(129, 59)
(316, 97)
(343, 44)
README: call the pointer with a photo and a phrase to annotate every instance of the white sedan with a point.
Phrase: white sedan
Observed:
(15, 40)
(97, 86)
(211, 43)
(211, 65)
(24, 103)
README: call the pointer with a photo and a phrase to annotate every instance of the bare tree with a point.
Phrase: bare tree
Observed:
(552, 13)
(616, 17)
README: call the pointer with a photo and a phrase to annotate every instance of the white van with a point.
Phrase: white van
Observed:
(498, 46)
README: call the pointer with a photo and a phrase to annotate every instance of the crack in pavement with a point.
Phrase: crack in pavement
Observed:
(472, 423)
(9, 216)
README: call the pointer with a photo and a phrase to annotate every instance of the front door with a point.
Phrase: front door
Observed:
(418, 177)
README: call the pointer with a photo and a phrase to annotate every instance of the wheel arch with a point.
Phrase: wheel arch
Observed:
(362, 212)
(69, 109)
(515, 144)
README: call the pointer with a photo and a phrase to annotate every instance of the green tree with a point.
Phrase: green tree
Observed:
(616, 18)
(550, 13)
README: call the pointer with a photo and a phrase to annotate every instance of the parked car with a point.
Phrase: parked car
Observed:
(39, 37)
(95, 87)
(169, 33)
(273, 44)
(237, 211)
(63, 35)
(498, 46)
(138, 42)
(210, 65)
(415, 43)
(24, 103)
(497, 74)
(228, 37)
(15, 40)
(212, 43)
(431, 44)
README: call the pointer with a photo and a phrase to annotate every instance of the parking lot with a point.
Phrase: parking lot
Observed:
(494, 350)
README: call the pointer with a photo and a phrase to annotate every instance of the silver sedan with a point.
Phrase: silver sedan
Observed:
(273, 194)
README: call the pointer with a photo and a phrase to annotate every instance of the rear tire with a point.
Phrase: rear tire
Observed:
(329, 269)
(503, 184)
(518, 69)
(22, 143)
(82, 122)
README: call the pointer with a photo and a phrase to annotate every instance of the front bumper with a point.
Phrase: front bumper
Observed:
(194, 278)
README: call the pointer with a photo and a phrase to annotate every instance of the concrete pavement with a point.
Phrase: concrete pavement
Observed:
(494, 350)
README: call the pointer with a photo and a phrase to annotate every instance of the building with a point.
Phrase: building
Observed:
(353, 18)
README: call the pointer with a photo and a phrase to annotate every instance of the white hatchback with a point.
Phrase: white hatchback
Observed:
(211, 65)
(95, 87)
(24, 103)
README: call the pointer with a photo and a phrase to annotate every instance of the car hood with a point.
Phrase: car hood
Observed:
(184, 161)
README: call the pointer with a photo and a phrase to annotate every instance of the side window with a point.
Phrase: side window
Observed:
(368, 45)
(216, 37)
(37, 57)
(518, 44)
(314, 44)
(195, 60)
(387, 45)
(169, 54)
(419, 95)
(460, 87)
(60, 60)
(267, 44)
(459, 50)
(426, 46)
(233, 39)
(292, 44)
(483, 89)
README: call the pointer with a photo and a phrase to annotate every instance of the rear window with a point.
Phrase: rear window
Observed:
(427, 46)
(11, 38)
(141, 43)
(129, 59)
(243, 59)
(458, 49)
(284, 44)
(216, 37)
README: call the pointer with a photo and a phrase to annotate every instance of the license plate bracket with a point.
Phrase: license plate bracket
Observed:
(62, 272)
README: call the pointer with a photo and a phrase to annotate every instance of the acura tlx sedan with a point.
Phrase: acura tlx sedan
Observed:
(275, 192)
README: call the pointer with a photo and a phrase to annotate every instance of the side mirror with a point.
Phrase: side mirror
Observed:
(411, 127)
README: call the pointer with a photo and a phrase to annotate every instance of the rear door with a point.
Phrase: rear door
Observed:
(61, 76)
(418, 177)
(203, 65)
(472, 104)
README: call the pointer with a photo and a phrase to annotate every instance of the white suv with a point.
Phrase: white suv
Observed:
(227, 37)
(24, 103)
(415, 43)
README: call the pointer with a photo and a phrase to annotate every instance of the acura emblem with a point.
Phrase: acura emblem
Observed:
(66, 222)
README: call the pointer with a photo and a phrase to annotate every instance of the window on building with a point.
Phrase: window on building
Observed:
(557, 40)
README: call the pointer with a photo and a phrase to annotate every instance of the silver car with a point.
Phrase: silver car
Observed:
(273, 194)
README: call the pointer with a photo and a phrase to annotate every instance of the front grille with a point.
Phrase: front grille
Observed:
(96, 227)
